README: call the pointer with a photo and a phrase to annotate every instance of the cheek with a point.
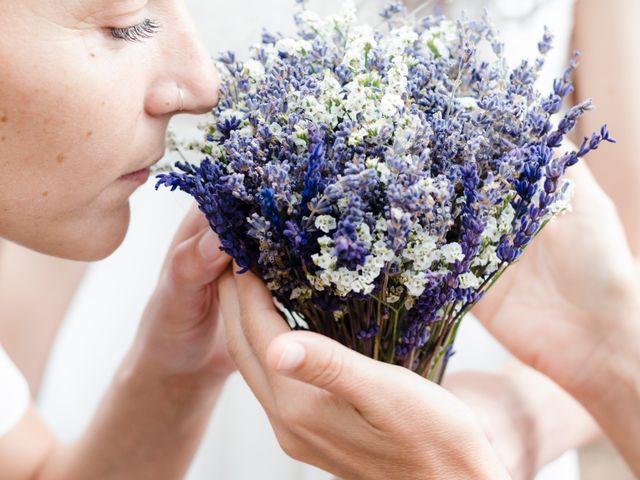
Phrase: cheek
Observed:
(79, 117)
(68, 130)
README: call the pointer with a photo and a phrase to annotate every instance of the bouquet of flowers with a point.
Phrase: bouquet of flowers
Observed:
(381, 180)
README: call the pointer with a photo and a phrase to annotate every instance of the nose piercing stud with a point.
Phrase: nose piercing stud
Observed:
(181, 99)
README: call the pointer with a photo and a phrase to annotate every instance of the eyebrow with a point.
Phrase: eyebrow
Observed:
(114, 5)
(105, 3)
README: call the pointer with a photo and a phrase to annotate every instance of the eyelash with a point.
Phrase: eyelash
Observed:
(136, 33)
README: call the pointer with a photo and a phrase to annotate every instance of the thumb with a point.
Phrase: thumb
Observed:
(317, 360)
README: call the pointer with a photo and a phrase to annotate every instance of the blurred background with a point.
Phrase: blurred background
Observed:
(86, 316)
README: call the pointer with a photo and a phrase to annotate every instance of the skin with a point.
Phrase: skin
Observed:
(343, 412)
(28, 328)
(102, 106)
(579, 330)
(528, 419)
(102, 110)
(625, 106)
(80, 109)
(612, 51)
(606, 73)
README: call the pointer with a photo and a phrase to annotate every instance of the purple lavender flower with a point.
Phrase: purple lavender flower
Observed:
(379, 181)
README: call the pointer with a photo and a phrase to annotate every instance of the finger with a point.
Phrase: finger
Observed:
(320, 361)
(261, 322)
(193, 222)
(191, 269)
(238, 346)
(588, 194)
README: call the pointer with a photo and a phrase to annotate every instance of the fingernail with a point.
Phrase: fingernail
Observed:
(291, 358)
(209, 246)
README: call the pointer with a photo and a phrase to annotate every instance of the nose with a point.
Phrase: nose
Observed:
(190, 82)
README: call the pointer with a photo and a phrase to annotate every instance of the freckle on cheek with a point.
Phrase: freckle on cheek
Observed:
(61, 158)
(89, 133)
(4, 119)
(45, 194)
(92, 55)
(3, 138)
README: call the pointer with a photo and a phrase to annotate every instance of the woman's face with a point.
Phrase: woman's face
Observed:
(87, 88)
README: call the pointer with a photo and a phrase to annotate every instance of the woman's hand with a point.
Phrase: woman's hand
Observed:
(343, 412)
(181, 331)
(528, 419)
(571, 308)
(152, 418)
(568, 304)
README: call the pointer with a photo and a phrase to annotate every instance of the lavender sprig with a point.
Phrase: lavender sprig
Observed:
(381, 180)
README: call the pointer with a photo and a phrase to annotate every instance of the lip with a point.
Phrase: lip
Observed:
(139, 176)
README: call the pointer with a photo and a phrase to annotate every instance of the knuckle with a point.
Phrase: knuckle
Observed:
(328, 371)
(291, 443)
(233, 345)
(238, 348)
(291, 416)
(180, 268)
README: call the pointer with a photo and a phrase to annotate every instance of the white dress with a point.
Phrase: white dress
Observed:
(240, 444)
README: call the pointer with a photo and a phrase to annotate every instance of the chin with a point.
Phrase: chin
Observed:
(91, 241)
(100, 242)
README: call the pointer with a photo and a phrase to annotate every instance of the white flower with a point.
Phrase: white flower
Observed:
(398, 40)
(469, 280)
(357, 99)
(382, 252)
(381, 225)
(325, 242)
(563, 203)
(416, 282)
(421, 250)
(324, 260)
(310, 21)
(254, 69)
(391, 104)
(357, 137)
(343, 202)
(409, 303)
(441, 38)
(397, 78)
(325, 223)
(361, 42)
(487, 258)
(275, 129)
(491, 233)
(384, 172)
(408, 130)
(302, 293)
(372, 163)
(317, 110)
(293, 46)
(468, 103)
(452, 252)
(364, 233)
(506, 219)
(342, 22)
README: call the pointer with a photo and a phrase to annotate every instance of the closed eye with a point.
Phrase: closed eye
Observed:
(136, 33)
